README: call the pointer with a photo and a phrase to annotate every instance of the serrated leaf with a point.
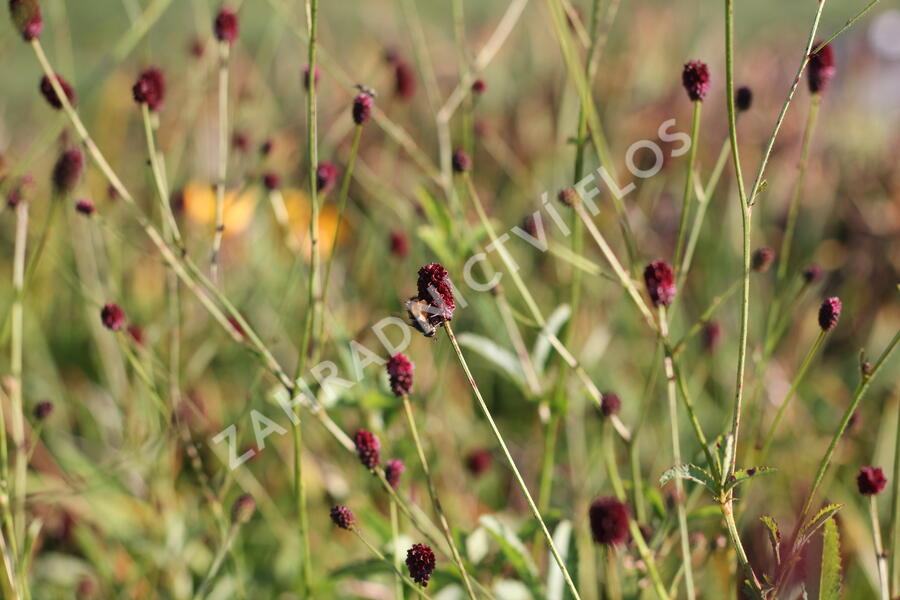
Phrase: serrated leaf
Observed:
(814, 523)
(774, 536)
(693, 473)
(556, 584)
(743, 475)
(830, 578)
(541, 349)
(505, 361)
(511, 546)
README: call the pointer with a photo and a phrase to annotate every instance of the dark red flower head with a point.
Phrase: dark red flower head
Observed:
(461, 161)
(85, 207)
(870, 481)
(479, 86)
(399, 244)
(529, 224)
(342, 517)
(400, 373)
(272, 181)
(226, 26)
(42, 410)
(434, 287)
(368, 448)
(113, 316)
(609, 521)
(404, 80)
(306, 77)
(241, 141)
(243, 508)
(326, 176)
(479, 461)
(812, 273)
(829, 313)
(393, 470)
(67, 170)
(712, 333)
(762, 260)
(420, 562)
(26, 18)
(50, 94)
(150, 88)
(743, 98)
(821, 68)
(660, 283)
(695, 79)
(609, 404)
(362, 108)
(266, 147)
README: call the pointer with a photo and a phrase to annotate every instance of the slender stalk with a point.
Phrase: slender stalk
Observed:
(222, 170)
(15, 392)
(342, 202)
(784, 254)
(218, 559)
(846, 26)
(845, 421)
(895, 510)
(418, 589)
(676, 456)
(880, 556)
(158, 178)
(798, 377)
(609, 255)
(512, 463)
(704, 197)
(312, 155)
(435, 498)
(395, 552)
(637, 535)
(688, 183)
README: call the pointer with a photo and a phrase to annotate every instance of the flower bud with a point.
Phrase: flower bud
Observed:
(226, 26)
(695, 79)
(67, 171)
(26, 18)
(342, 517)
(870, 481)
(660, 283)
(243, 508)
(50, 94)
(113, 316)
(829, 313)
(821, 69)
(400, 373)
(150, 88)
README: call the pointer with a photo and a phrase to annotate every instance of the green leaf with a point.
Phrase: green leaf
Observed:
(830, 578)
(693, 473)
(542, 346)
(774, 536)
(814, 523)
(743, 475)
(555, 582)
(505, 361)
(513, 549)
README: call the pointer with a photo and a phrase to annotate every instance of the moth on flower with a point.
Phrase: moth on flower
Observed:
(419, 314)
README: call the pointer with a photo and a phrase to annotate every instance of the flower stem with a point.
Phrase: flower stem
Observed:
(880, 556)
(895, 509)
(512, 463)
(798, 377)
(217, 562)
(222, 170)
(676, 456)
(15, 387)
(435, 499)
(845, 421)
(395, 545)
(158, 178)
(784, 254)
(688, 183)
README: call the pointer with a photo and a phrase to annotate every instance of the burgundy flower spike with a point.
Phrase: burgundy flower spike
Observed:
(342, 517)
(113, 316)
(393, 471)
(609, 521)
(420, 561)
(400, 373)
(695, 79)
(368, 448)
(50, 94)
(660, 283)
(26, 18)
(821, 69)
(226, 26)
(829, 313)
(870, 481)
(150, 88)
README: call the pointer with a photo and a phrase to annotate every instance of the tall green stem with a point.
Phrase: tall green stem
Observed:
(880, 557)
(688, 183)
(895, 509)
(435, 498)
(222, 167)
(15, 392)
(676, 456)
(512, 464)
